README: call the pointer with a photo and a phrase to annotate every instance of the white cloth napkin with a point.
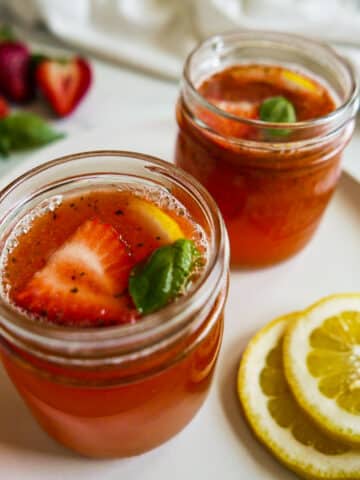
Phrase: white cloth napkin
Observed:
(156, 35)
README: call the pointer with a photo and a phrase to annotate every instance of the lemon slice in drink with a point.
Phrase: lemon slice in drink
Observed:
(322, 364)
(299, 81)
(155, 220)
(276, 418)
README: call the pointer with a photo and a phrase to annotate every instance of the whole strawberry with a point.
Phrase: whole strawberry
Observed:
(15, 81)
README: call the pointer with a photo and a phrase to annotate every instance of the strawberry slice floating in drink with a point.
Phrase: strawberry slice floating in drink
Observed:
(231, 128)
(84, 283)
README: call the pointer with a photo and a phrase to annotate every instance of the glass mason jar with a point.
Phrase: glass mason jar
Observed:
(117, 391)
(272, 192)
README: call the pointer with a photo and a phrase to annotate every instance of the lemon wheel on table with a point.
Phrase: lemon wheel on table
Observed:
(276, 418)
(322, 365)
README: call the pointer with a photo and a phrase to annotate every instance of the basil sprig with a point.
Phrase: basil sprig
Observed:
(23, 130)
(7, 34)
(277, 110)
(163, 276)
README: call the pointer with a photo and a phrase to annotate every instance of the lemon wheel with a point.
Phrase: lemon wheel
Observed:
(276, 418)
(156, 220)
(297, 80)
(322, 364)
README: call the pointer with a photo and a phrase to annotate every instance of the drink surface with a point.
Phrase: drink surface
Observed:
(240, 90)
(81, 248)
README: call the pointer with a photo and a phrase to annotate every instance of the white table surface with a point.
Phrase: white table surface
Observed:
(128, 110)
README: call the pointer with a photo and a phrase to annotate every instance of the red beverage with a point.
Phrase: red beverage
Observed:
(126, 214)
(271, 180)
(99, 375)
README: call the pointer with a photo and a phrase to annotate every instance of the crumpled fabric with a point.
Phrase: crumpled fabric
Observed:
(156, 35)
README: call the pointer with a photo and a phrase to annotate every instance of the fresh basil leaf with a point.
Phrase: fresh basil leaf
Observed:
(37, 58)
(163, 276)
(277, 110)
(23, 130)
(4, 146)
(7, 34)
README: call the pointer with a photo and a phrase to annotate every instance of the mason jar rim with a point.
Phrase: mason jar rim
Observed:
(86, 343)
(267, 37)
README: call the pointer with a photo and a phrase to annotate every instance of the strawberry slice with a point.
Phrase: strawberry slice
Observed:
(227, 127)
(4, 107)
(64, 83)
(84, 283)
